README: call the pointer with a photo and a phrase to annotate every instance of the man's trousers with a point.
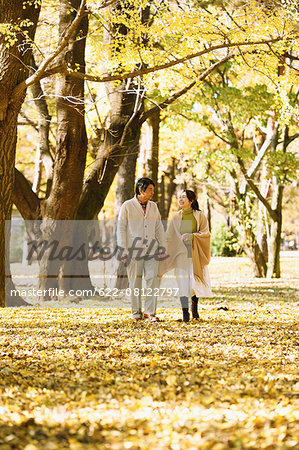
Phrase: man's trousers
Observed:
(148, 270)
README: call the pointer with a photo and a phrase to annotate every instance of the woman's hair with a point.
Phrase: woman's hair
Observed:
(192, 198)
(142, 184)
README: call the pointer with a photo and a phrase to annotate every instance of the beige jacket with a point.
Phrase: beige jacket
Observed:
(177, 251)
(133, 223)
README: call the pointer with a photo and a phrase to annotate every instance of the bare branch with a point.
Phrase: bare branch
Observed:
(261, 153)
(292, 138)
(212, 129)
(260, 126)
(106, 4)
(40, 72)
(29, 121)
(258, 159)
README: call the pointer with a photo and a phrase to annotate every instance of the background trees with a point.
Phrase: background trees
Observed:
(150, 55)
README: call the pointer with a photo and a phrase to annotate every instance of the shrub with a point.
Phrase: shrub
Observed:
(225, 242)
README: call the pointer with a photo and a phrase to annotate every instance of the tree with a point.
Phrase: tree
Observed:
(18, 25)
(234, 111)
(70, 153)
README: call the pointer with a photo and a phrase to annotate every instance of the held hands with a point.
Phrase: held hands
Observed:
(186, 237)
(124, 258)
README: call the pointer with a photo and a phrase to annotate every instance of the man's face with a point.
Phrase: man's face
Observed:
(148, 193)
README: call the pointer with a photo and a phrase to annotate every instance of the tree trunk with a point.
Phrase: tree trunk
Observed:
(207, 206)
(276, 226)
(161, 196)
(262, 226)
(208, 212)
(43, 130)
(243, 212)
(70, 155)
(119, 138)
(126, 178)
(168, 189)
(255, 254)
(122, 128)
(275, 232)
(111, 153)
(13, 70)
(151, 143)
(124, 191)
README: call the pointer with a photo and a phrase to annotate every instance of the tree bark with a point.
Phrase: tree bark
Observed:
(27, 202)
(119, 149)
(118, 139)
(251, 245)
(262, 233)
(244, 202)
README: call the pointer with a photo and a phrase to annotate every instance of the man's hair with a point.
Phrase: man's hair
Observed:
(142, 184)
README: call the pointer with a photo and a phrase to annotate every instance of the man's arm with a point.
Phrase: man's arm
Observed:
(122, 224)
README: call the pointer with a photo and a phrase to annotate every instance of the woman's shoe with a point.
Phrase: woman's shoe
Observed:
(186, 316)
(194, 307)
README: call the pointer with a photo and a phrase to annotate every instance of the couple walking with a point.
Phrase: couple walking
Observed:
(149, 252)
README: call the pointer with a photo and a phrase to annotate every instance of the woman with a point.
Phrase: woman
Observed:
(188, 247)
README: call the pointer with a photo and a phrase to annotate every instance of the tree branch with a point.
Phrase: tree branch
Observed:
(260, 126)
(146, 70)
(183, 91)
(292, 138)
(255, 189)
(29, 121)
(212, 129)
(25, 199)
(261, 153)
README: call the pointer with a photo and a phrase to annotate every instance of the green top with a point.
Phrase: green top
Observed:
(189, 224)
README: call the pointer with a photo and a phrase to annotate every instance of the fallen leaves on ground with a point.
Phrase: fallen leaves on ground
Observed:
(87, 378)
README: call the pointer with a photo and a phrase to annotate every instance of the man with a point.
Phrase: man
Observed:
(140, 235)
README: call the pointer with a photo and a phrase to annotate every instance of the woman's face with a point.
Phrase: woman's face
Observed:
(183, 200)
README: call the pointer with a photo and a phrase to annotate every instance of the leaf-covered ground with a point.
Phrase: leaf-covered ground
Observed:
(90, 378)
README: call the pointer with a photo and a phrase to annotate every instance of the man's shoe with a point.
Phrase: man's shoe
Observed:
(151, 317)
(138, 318)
